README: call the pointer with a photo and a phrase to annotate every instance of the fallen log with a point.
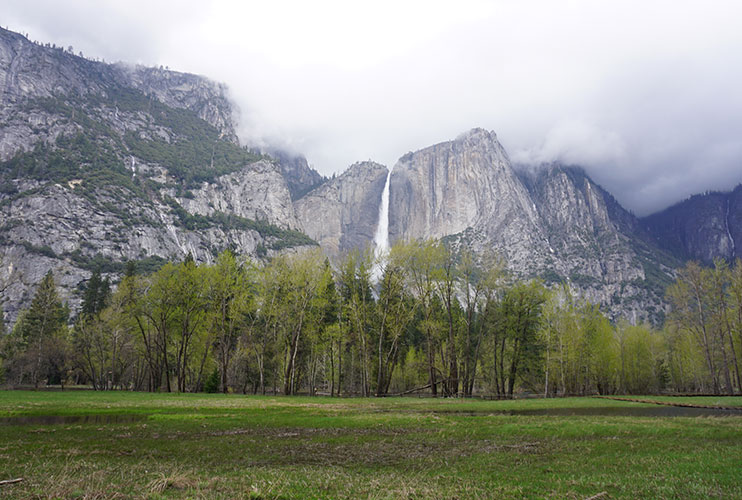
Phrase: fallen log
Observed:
(11, 481)
(413, 390)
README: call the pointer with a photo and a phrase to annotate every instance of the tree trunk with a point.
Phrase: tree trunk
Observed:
(431, 363)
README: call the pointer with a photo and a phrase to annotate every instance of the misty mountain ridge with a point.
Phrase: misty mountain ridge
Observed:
(703, 227)
(103, 164)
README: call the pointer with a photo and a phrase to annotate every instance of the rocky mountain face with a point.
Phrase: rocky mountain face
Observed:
(703, 227)
(258, 192)
(597, 246)
(552, 221)
(30, 72)
(342, 213)
(102, 164)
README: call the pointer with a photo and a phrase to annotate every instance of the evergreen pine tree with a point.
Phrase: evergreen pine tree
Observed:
(90, 298)
(131, 269)
(96, 295)
(104, 294)
(41, 331)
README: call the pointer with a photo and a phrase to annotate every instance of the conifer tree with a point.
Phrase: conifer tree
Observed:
(90, 298)
(40, 332)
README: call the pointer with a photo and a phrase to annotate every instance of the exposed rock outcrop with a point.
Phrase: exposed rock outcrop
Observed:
(56, 228)
(258, 191)
(596, 245)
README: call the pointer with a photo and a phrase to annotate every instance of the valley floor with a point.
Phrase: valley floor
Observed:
(80, 444)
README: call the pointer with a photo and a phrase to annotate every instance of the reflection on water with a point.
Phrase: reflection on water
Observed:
(627, 411)
(590, 411)
(70, 419)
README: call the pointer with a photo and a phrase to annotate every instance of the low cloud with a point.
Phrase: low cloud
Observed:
(576, 142)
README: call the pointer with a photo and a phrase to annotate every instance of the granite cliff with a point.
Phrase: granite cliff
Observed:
(551, 222)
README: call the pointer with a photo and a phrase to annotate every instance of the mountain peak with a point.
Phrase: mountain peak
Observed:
(361, 166)
(477, 133)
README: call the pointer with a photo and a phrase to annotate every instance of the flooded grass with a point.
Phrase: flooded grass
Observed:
(130, 445)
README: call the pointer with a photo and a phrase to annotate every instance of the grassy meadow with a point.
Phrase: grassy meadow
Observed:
(82, 444)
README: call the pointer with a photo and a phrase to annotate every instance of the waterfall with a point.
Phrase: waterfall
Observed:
(381, 237)
(729, 233)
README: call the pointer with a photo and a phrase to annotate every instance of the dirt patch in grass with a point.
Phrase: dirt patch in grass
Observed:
(302, 432)
(412, 452)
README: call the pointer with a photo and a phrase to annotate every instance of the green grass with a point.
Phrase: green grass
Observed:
(214, 446)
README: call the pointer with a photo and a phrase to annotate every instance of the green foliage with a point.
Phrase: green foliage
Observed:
(99, 262)
(583, 280)
(96, 157)
(84, 156)
(211, 385)
(2, 322)
(39, 337)
(513, 323)
(194, 152)
(641, 352)
(44, 250)
(706, 317)
(96, 295)
(418, 319)
(279, 238)
(108, 265)
(200, 156)
(46, 316)
(551, 277)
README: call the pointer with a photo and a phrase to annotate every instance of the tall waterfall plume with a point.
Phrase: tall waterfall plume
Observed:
(381, 237)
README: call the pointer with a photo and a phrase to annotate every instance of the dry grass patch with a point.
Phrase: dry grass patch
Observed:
(177, 480)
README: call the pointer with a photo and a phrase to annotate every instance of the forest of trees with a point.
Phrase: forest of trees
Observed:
(423, 320)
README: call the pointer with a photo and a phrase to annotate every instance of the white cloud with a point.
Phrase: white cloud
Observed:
(576, 142)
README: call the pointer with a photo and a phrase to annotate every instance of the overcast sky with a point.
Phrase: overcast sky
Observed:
(646, 95)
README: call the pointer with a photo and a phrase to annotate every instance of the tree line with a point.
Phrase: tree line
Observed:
(422, 318)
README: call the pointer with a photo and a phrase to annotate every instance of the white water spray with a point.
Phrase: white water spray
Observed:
(381, 237)
(729, 233)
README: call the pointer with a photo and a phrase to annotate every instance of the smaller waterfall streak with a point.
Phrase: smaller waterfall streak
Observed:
(381, 237)
(729, 233)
